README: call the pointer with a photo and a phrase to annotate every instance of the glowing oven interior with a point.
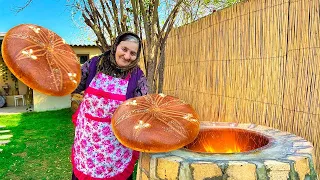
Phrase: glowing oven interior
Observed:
(227, 140)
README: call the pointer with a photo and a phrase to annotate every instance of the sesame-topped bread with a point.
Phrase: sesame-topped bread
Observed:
(41, 59)
(155, 123)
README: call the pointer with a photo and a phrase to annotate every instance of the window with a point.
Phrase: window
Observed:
(83, 58)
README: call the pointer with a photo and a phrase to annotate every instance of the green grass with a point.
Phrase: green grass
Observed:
(40, 147)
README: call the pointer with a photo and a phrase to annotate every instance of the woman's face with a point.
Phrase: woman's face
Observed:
(126, 53)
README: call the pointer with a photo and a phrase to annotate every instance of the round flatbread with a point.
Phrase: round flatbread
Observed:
(41, 59)
(155, 123)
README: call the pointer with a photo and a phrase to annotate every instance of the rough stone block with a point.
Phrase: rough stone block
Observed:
(301, 166)
(205, 170)
(145, 162)
(306, 150)
(144, 176)
(246, 125)
(241, 170)
(277, 170)
(168, 168)
(262, 128)
(295, 138)
(302, 144)
(281, 133)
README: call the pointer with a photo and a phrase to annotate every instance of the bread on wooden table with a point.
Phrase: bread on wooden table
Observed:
(155, 123)
(41, 59)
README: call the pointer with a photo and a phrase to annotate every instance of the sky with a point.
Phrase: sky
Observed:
(54, 15)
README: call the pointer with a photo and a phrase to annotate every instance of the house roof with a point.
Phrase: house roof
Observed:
(2, 35)
(83, 45)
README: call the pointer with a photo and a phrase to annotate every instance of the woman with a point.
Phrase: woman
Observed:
(108, 80)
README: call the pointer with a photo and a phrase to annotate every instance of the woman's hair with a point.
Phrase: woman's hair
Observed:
(128, 37)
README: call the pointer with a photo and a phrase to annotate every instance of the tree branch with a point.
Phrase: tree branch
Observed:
(115, 17)
(155, 18)
(19, 9)
(135, 15)
(93, 22)
(145, 21)
(123, 16)
(107, 21)
(173, 12)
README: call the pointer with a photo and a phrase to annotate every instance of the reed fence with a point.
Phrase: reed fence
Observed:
(257, 62)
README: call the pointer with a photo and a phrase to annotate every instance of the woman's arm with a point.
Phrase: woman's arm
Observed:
(142, 87)
(84, 75)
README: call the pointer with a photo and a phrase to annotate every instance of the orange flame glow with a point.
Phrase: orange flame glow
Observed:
(208, 148)
(227, 140)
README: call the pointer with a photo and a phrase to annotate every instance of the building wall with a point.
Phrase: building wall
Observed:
(90, 50)
(6, 77)
(42, 102)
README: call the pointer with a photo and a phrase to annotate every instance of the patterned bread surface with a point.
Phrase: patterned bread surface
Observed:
(41, 59)
(155, 123)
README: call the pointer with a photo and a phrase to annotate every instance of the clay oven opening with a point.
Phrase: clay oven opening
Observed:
(227, 140)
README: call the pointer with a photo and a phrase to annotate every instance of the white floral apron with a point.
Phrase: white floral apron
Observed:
(96, 153)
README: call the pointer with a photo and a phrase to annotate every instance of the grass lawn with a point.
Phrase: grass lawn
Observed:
(40, 147)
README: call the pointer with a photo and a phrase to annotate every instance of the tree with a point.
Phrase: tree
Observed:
(109, 18)
(192, 10)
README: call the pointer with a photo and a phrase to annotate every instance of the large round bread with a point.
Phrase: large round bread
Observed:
(41, 59)
(155, 123)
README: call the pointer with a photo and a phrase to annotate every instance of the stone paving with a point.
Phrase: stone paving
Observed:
(14, 110)
(5, 136)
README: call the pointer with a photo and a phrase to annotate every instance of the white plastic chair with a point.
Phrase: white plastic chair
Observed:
(16, 99)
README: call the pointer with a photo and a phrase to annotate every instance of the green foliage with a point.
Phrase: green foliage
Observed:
(213, 2)
(4, 71)
(206, 2)
(40, 147)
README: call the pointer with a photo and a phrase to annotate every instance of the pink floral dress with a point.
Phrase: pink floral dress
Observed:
(96, 153)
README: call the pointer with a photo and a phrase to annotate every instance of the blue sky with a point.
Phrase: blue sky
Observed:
(51, 14)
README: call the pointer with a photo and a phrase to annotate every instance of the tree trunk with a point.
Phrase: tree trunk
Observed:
(151, 61)
(161, 67)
